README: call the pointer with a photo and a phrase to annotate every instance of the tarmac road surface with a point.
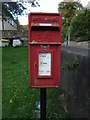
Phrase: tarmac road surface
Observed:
(83, 51)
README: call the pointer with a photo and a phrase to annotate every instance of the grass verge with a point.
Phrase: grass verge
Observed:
(18, 100)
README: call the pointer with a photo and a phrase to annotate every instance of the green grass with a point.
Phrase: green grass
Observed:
(54, 108)
(15, 88)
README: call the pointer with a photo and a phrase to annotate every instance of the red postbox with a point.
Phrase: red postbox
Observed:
(44, 50)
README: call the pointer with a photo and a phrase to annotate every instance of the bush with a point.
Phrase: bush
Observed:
(80, 26)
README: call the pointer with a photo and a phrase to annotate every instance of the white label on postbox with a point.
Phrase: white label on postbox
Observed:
(44, 64)
(43, 24)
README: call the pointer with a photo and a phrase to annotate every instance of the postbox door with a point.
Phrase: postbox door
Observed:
(45, 72)
(43, 63)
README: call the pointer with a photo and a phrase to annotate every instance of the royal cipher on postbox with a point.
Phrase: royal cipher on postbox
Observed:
(44, 50)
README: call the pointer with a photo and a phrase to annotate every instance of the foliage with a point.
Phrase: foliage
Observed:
(80, 29)
(12, 8)
(73, 65)
(55, 110)
(68, 11)
(17, 8)
(25, 26)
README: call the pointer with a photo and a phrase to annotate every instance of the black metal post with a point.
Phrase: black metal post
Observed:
(43, 103)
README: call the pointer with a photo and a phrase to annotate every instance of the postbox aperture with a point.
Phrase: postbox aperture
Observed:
(44, 49)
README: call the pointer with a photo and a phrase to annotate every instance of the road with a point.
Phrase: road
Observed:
(82, 51)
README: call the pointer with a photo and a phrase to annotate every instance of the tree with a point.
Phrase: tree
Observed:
(25, 26)
(17, 8)
(68, 11)
(14, 8)
(80, 26)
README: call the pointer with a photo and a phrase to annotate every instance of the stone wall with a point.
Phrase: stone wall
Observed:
(74, 81)
(15, 34)
(83, 44)
(21, 32)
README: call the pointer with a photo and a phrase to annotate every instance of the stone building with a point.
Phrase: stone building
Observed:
(0, 20)
(11, 29)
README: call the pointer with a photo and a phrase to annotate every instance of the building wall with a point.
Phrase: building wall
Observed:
(0, 26)
(4, 44)
(0, 16)
(9, 25)
(0, 22)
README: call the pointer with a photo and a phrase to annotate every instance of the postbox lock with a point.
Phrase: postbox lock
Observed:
(44, 47)
(35, 64)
